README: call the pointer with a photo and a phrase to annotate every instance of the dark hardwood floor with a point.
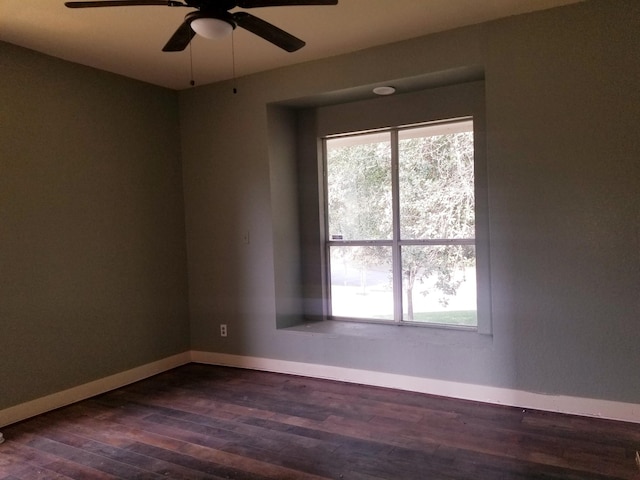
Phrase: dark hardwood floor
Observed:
(206, 422)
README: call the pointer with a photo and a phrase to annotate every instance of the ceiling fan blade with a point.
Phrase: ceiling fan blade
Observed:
(116, 3)
(180, 39)
(269, 32)
(282, 3)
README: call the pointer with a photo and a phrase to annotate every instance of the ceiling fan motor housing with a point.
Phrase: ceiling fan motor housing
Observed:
(217, 5)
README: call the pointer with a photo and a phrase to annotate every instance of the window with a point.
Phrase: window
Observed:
(400, 225)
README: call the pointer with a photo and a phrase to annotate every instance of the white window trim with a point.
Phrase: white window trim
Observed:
(451, 125)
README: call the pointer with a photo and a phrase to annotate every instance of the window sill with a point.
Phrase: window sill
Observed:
(422, 333)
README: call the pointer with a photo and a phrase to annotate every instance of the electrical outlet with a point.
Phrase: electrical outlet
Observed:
(638, 459)
(223, 330)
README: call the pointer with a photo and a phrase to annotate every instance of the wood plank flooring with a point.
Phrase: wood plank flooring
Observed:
(206, 422)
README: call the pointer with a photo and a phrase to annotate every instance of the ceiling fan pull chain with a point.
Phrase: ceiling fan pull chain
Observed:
(192, 82)
(233, 62)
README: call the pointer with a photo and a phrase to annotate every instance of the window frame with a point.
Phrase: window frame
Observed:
(396, 242)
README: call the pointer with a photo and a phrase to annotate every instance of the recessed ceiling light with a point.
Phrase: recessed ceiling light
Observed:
(384, 90)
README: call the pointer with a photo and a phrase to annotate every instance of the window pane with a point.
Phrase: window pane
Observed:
(436, 181)
(361, 282)
(359, 187)
(439, 284)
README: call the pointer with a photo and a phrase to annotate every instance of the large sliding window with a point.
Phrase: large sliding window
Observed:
(400, 225)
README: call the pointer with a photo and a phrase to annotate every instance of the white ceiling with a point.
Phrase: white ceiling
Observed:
(129, 40)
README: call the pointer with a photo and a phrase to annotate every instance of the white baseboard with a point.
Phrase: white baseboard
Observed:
(627, 412)
(81, 392)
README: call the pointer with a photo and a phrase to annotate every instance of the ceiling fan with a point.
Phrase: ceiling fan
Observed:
(213, 19)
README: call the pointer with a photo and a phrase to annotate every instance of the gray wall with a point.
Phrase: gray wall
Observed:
(93, 264)
(92, 253)
(563, 189)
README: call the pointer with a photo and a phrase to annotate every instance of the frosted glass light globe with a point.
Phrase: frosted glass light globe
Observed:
(212, 28)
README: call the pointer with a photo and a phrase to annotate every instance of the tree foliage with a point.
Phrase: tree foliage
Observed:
(359, 200)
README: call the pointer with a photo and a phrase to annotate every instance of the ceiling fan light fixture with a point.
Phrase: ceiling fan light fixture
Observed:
(211, 28)
(214, 19)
